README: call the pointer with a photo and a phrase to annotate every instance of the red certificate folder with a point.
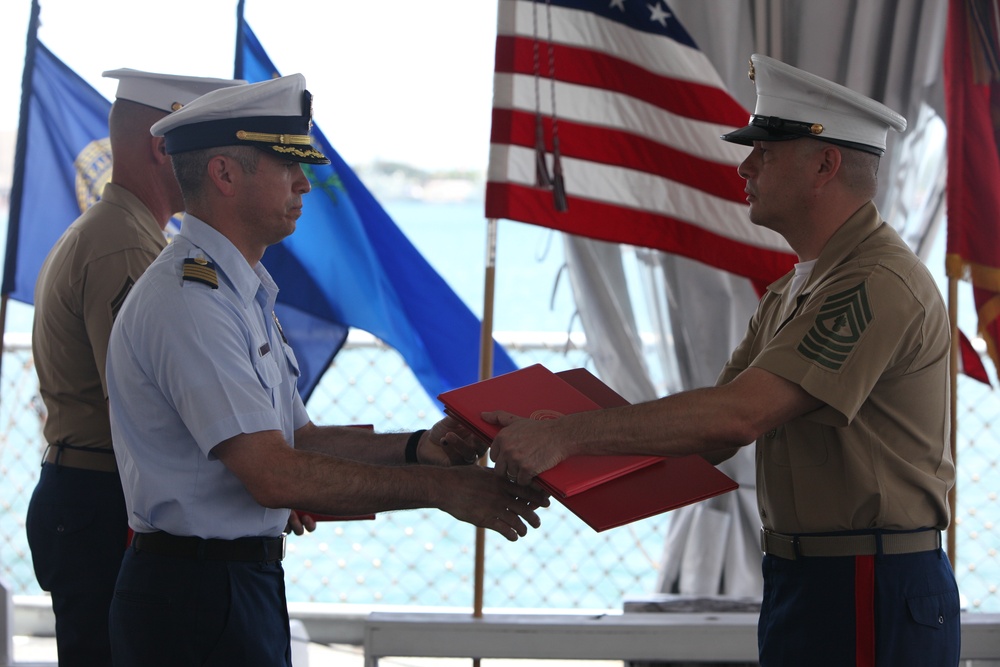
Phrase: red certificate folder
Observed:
(534, 392)
(604, 491)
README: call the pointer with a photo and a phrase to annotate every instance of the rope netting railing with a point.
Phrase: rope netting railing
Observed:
(425, 557)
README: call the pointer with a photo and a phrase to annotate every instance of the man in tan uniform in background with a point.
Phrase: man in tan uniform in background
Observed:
(842, 379)
(76, 524)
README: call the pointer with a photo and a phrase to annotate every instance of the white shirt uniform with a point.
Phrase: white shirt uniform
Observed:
(191, 364)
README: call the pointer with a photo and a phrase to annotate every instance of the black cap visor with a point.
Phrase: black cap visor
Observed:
(772, 128)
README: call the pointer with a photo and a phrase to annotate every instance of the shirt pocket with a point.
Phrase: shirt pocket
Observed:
(795, 450)
(293, 363)
(267, 370)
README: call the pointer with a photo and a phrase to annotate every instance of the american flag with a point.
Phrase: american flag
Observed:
(606, 123)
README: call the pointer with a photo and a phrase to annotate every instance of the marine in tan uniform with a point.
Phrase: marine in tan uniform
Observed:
(869, 338)
(843, 381)
(77, 526)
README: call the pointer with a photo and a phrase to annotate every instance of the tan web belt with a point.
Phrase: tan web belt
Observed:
(791, 547)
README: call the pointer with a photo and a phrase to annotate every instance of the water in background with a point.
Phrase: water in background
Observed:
(529, 294)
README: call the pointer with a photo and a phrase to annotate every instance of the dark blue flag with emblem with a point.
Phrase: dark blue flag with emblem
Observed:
(349, 263)
(61, 163)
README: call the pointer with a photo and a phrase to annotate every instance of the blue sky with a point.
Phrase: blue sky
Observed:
(394, 79)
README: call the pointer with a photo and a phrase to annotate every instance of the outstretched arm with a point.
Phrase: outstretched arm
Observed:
(713, 422)
(446, 443)
(277, 476)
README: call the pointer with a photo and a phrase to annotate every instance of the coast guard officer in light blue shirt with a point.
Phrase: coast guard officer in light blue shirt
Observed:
(211, 436)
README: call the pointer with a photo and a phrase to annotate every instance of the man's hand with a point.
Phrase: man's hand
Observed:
(525, 447)
(485, 498)
(449, 443)
(299, 524)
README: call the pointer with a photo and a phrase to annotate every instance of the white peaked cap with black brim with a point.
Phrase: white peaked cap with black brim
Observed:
(274, 116)
(792, 103)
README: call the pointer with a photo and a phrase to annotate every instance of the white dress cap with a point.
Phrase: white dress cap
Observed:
(792, 103)
(167, 92)
(274, 116)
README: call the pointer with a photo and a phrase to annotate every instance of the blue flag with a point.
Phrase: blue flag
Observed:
(348, 262)
(61, 163)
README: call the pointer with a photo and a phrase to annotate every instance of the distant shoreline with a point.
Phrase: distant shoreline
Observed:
(387, 180)
(395, 181)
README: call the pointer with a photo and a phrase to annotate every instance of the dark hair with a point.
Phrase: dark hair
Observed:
(190, 166)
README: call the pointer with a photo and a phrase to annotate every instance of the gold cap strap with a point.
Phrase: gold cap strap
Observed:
(263, 137)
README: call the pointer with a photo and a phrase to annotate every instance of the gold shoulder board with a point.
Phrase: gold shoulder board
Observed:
(202, 271)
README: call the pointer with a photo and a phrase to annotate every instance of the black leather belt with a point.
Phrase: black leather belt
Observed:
(791, 547)
(84, 458)
(246, 549)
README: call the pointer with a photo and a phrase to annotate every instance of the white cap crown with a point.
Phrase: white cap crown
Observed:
(167, 92)
(274, 116)
(793, 103)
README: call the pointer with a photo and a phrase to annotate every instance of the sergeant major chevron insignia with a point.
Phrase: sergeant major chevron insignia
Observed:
(119, 300)
(841, 321)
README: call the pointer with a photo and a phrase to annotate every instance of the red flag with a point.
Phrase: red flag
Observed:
(606, 124)
(972, 95)
(969, 361)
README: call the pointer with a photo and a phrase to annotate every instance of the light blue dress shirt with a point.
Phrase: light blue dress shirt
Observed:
(189, 366)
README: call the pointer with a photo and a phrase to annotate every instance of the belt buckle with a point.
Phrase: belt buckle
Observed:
(283, 543)
(770, 541)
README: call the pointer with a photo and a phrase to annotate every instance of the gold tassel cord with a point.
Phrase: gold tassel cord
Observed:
(558, 183)
(542, 178)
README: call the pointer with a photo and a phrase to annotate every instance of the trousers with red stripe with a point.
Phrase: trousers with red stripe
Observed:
(860, 611)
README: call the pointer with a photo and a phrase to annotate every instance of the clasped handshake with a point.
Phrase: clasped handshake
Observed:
(503, 498)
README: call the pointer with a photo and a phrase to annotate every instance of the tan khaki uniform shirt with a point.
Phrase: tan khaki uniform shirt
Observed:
(870, 338)
(79, 290)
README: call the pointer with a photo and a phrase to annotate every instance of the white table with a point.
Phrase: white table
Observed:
(728, 636)
(709, 637)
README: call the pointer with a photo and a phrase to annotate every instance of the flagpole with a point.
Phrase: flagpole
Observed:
(953, 431)
(3, 332)
(485, 372)
(238, 65)
(17, 183)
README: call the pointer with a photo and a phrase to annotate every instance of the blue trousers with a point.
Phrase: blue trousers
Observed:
(860, 611)
(173, 612)
(77, 530)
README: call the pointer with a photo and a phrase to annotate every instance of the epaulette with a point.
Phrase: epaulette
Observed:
(200, 270)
